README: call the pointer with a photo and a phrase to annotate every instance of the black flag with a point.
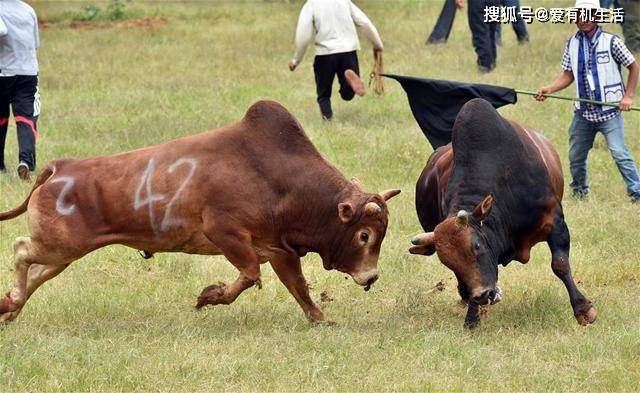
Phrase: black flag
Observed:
(435, 103)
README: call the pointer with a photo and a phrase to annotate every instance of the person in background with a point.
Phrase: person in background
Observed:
(483, 34)
(519, 27)
(593, 57)
(442, 29)
(631, 26)
(19, 40)
(336, 43)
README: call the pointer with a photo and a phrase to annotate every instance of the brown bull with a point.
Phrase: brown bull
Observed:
(255, 191)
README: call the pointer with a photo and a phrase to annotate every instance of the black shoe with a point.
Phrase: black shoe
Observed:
(436, 41)
(327, 118)
(484, 70)
(581, 195)
(635, 199)
(524, 40)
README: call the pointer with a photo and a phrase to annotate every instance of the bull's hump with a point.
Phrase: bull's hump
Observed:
(479, 127)
(276, 126)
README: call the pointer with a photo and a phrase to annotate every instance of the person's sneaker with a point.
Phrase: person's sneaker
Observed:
(436, 41)
(635, 199)
(524, 40)
(581, 195)
(3, 170)
(23, 171)
(355, 82)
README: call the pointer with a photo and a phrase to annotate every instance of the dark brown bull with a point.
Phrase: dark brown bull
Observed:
(486, 199)
(256, 191)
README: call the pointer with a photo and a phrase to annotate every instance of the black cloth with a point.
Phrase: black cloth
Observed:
(20, 94)
(483, 35)
(442, 29)
(435, 103)
(325, 68)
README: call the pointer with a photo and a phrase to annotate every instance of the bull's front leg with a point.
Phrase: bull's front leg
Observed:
(559, 244)
(289, 270)
(236, 247)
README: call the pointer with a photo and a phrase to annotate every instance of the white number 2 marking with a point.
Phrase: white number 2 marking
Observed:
(168, 221)
(145, 184)
(68, 185)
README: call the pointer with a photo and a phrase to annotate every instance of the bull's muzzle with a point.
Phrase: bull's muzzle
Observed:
(366, 278)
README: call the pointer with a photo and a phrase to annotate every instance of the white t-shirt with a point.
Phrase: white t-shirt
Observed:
(334, 22)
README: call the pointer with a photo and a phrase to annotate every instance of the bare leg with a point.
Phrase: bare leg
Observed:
(236, 247)
(38, 275)
(558, 241)
(288, 269)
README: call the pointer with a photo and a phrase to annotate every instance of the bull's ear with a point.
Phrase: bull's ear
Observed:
(345, 211)
(388, 194)
(483, 208)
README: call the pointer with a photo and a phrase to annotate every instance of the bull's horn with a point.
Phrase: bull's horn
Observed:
(462, 218)
(423, 239)
(388, 194)
(356, 183)
(372, 208)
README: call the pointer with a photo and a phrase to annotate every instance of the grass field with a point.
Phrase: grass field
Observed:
(116, 322)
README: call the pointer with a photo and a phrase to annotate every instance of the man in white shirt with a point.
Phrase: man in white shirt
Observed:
(336, 43)
(19, 40)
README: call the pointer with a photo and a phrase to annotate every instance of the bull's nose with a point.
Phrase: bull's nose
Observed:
(370, 282)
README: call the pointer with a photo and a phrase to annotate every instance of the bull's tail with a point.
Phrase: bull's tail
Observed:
(43, 176)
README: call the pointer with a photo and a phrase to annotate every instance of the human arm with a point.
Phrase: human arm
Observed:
(627, 100)
(563, 80)
(368, 29)
(460, 4)
(304, 35)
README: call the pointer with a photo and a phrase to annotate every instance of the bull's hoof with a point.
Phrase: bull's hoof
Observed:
(213, 294)
(471, 324)
(587, 317)
(6, 305)
(8, 317)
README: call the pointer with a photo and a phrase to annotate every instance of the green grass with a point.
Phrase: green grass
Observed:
(115, 322)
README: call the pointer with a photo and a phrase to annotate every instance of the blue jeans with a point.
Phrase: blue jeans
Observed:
(519, 27)
(581, 136)
(609, 3)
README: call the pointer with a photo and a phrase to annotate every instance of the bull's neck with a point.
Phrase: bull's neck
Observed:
(313, 223)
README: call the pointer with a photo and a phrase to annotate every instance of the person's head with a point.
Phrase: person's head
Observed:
(586, 21)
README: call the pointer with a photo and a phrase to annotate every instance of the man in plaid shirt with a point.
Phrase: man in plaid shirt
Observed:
(593, 57)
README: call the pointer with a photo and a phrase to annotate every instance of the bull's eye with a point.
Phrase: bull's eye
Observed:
(364, 237)
(477, 246)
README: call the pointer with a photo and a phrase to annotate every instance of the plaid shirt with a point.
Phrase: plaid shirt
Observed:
(621, 55)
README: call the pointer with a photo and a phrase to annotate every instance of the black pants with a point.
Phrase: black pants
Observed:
(442, 29)
(483, 34)
(325, 68)
(20, 93)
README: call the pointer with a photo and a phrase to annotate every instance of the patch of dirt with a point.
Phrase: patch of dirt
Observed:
(145, 23)
(439, 287)
(325, 297)
(43, 24)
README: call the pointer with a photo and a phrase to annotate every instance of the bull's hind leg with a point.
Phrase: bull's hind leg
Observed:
(22, 259)
(38, 275)
(236, 247)
(559, 244)
(288, 269)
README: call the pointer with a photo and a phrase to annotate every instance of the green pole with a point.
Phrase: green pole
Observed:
(534, 93)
